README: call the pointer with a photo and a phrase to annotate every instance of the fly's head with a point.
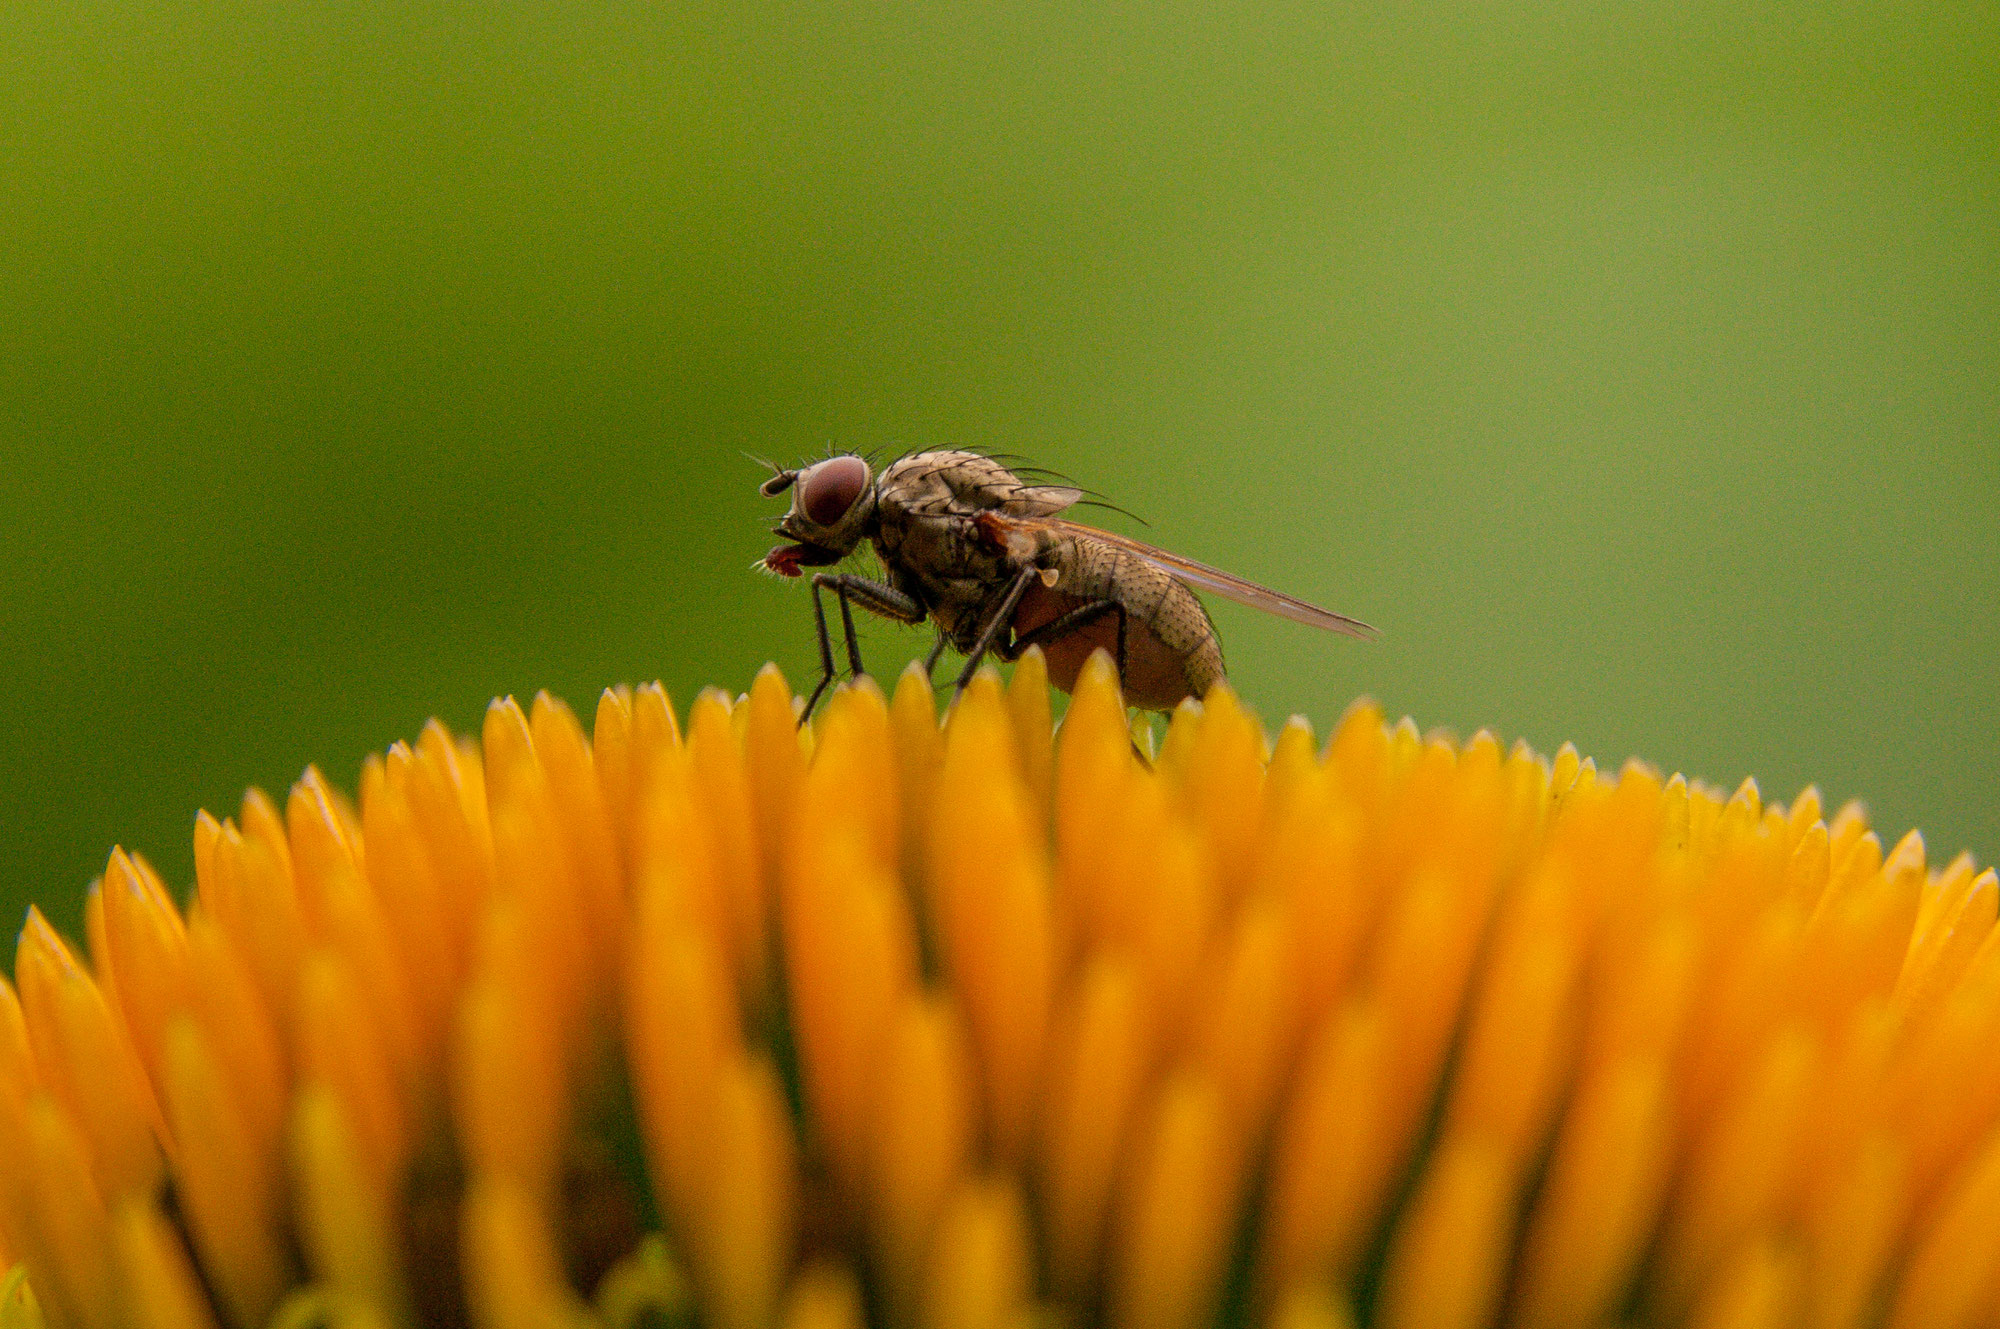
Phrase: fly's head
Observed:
(833, 507)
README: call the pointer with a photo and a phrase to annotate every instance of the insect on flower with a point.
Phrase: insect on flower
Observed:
(966, 542)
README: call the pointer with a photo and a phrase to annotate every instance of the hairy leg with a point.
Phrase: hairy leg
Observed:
(874, 596)
(1074, 621)
(996, 622)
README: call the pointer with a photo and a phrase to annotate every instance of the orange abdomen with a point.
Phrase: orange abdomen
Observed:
(1157, 676)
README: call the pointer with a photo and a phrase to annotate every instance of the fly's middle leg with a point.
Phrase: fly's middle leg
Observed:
(996, 623)
(873, 596)
(936, 653)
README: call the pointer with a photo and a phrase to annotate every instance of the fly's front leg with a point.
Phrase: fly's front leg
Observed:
(930, 661)
(1074, 621)
(996, 623)
(873, 596)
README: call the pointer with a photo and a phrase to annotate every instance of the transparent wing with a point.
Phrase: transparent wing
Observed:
(1221, 583)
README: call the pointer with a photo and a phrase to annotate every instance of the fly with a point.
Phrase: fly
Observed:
(988, 557)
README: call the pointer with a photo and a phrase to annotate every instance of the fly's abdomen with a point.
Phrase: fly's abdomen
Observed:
(1171, 652)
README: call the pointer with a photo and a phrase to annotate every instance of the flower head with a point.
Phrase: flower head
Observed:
(887, 1022)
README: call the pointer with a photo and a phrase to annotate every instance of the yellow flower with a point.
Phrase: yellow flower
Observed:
(885, 1023)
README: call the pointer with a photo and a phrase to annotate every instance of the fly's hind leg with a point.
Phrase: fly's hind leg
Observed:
(1073, 621)
(874, 596)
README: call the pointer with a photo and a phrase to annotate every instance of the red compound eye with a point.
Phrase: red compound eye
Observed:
(829, 489)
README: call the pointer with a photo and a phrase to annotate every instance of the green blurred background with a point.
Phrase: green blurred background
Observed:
(1634, 367)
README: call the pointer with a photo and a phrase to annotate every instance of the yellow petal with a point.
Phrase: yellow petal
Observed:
(161, 1289)
(1176, 1216)
(85, 1059)
(67, 1240)
(342, 1053)
(583, 823)
(919, 1139)
(723, 794)
(1099, 1063)
(751, 1188)
(1325, 1166)
(430, 946)
(1447, 1257)
(919, 745)
(1246, 1020)
(1952, 1270)
(981, 1264)
(611, 757)
(1028, 708)
(17, 1060)
(317, 823)
(1851, 1235)
(1598, 1204)
(851, 957)
(513, 1271)
(1741, 1166)
(227, 1182)
(681, 1027)
(1759, 1290)
(146, 945)
(995, 918)
(344, 1217)
(824, 1296)
(1220, 781)
(1517, 1051)
(247, 889)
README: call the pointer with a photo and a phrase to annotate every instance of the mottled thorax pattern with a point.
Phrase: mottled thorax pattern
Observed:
(929, 542)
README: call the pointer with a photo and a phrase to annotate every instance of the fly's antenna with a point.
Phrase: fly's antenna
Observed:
(781, 479)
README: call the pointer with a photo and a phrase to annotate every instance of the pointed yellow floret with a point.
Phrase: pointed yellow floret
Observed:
(999, 1018)
(1447, 1257)
(62, 1221)
(85, 1059)
(1099, 1063)
(850, 962)
(722, 795)
(229, 1186)
(981, 1267)
(18, 1307)
(146, 948)
(160, 1287)
(994, 918)
(514, 1275)
(824, 1297)
(919, 1145)
(345, 1217)
(1173, 1224)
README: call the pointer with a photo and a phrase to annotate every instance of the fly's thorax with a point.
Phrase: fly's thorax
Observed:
(940, 560)
(946, 481)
